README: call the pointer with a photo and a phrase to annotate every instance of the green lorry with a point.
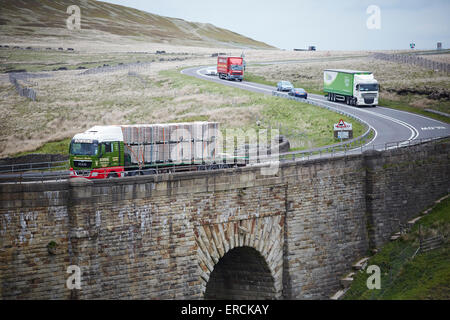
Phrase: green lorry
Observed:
(127, 150)
(356, 88)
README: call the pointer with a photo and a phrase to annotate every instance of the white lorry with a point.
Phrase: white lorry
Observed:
(356, 88)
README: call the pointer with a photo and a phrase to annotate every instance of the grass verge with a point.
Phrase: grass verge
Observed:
(426, 276)
(55, 147)
(405, 106)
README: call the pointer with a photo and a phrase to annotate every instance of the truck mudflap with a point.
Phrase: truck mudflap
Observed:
(100, 173)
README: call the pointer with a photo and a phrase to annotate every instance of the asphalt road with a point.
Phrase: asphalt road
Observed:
(389, 125)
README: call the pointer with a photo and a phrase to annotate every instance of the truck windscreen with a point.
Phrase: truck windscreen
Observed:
(83, 149)
(368, 87)
(236, 67)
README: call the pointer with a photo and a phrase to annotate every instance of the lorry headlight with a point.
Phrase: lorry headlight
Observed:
(94, 174)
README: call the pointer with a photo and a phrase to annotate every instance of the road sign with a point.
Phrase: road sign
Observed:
(342, 125)
(343, 130)
(342, 135)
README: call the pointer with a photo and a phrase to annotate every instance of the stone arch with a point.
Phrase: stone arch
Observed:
(263, 234)
(241, 274)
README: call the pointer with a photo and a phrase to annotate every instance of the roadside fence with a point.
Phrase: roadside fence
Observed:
(23, 91)
(414, 60)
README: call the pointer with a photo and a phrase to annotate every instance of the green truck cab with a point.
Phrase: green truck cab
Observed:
(97, 153)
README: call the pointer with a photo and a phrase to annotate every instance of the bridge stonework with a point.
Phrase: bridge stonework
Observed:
(222, 234)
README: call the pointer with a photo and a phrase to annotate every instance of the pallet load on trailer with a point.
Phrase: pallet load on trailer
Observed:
(125, 150)
(230, 68)
(356, 88)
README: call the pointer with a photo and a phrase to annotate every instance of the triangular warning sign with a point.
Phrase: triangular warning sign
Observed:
(341, 123)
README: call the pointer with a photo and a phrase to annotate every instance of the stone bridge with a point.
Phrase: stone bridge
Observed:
(226, 234)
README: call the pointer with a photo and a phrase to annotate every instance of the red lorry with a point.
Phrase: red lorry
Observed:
(230, 68)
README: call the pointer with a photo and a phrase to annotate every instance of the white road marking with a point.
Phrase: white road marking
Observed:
(413, 114)
(433, 128)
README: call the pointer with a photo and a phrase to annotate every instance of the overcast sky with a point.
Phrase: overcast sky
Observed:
(327, 24)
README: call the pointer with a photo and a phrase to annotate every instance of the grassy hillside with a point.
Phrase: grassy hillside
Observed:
(46, 19)
(426, 276)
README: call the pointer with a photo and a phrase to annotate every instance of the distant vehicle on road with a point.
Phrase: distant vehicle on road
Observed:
(211, 71)
(298, 92)
(230, 68)
(356, 88)
(284, 86)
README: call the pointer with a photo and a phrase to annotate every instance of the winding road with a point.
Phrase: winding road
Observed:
(392, 128)
(389, 125)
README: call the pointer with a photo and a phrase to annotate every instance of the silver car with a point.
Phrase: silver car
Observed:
(211, 71)
(284, 86)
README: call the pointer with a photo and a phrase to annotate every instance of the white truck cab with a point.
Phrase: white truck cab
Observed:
(366, 89)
